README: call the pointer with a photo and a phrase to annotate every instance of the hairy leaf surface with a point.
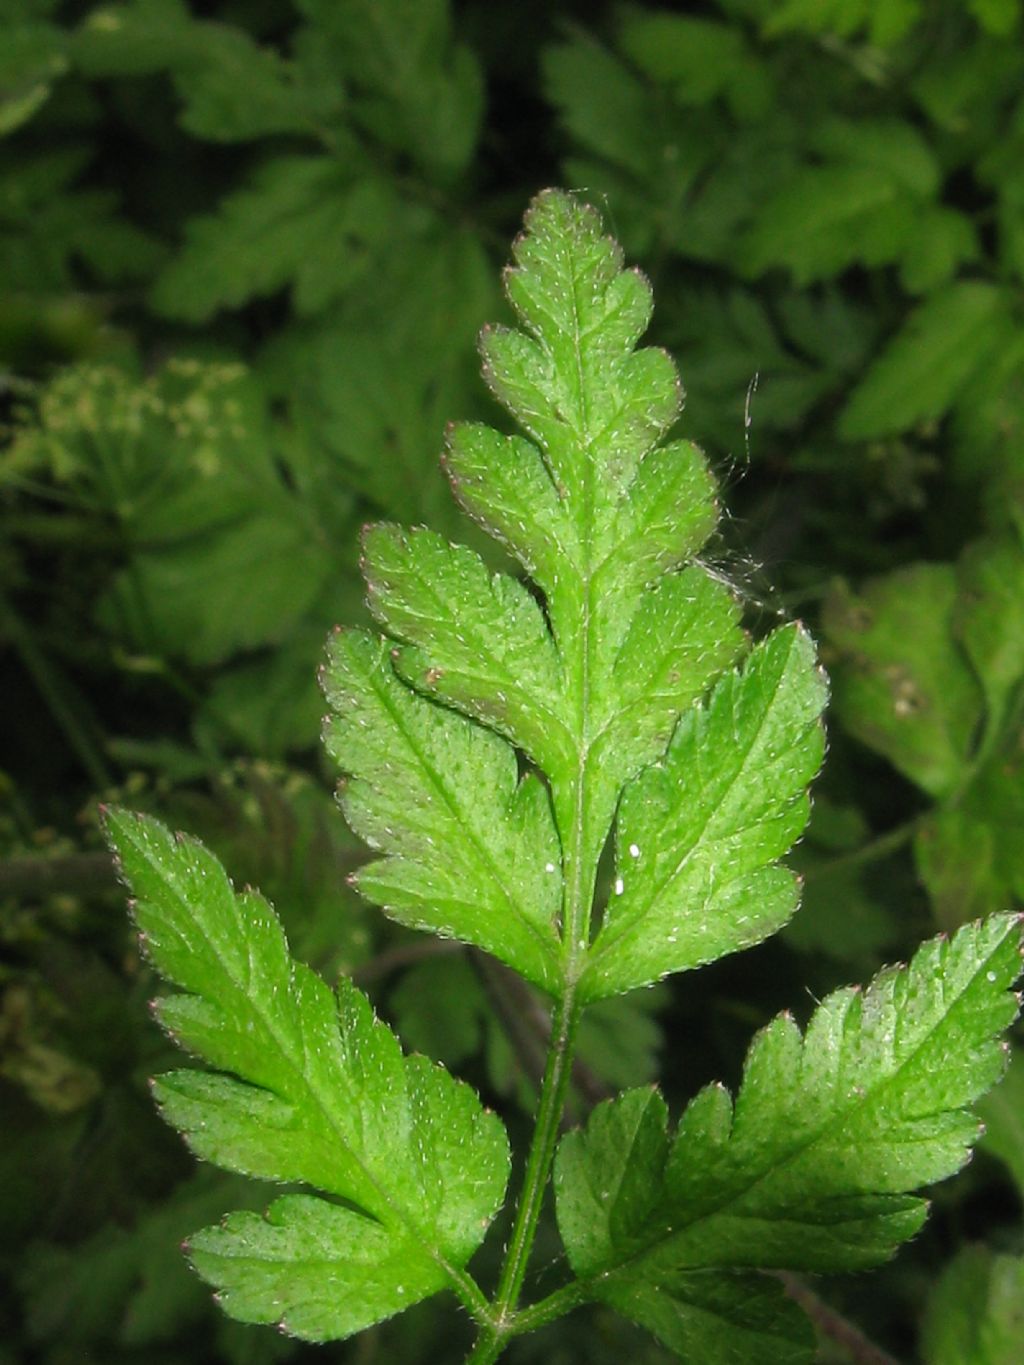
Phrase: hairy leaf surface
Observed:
(470, 849)
(308, 1088)
(595, 408)
(698, 833)
(589, 681)
(592, 681)
(483, 643)
(814, 1165)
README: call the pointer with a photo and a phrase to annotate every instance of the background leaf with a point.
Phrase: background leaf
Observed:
(1003, 1112)
(907, 690)
(128, 126)
(975, 1312)
(927, 364)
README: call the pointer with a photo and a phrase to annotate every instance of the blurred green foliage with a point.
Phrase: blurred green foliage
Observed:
(245, 249)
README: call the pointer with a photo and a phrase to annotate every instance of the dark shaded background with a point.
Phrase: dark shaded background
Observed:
(245, 249)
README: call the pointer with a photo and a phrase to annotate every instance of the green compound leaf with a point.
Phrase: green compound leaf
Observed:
(595, 408)
(304, 221)
(231, 87)
(696, 1314)
(869, 197)
(969, 852)
(307, 1088)
(470, 850)
(484, 643)
(128, 1283)
(414, 87)
(697, 59)
(931, 660)
(698, 834)
(589, 682)
(813, 1166)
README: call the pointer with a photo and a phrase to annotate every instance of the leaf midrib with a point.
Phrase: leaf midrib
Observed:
(481, 849)
(834, 1117)
(575, 929)
(403, 1222)
(629, 921)
(532, 702)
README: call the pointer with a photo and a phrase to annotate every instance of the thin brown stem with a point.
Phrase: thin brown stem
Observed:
(873, 851)
(527, 1023)
(831, 1323)
(404, 955)
(35, 874)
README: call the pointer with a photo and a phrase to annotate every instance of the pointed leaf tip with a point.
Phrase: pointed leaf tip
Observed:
(832, 1132)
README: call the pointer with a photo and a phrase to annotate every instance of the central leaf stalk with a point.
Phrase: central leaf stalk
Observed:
(579, 859)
